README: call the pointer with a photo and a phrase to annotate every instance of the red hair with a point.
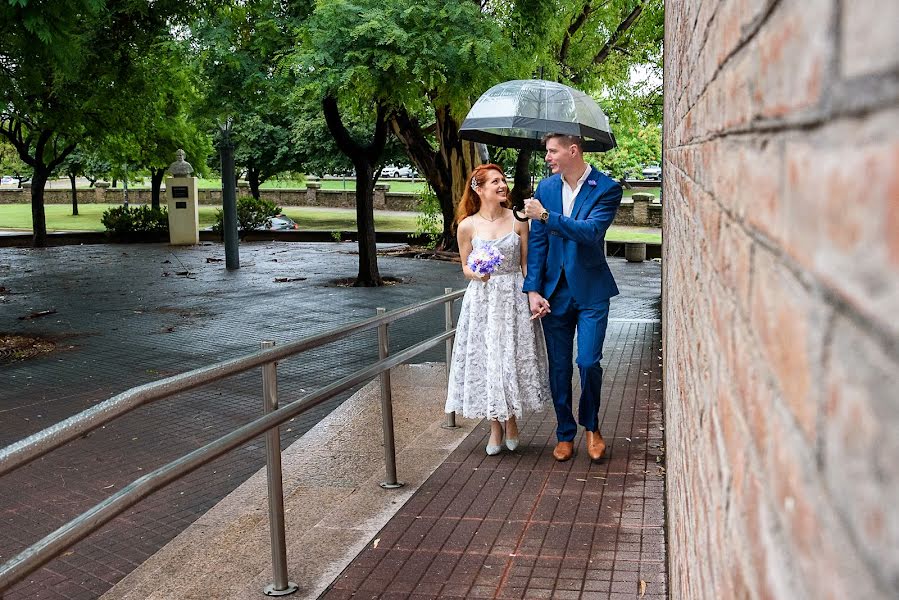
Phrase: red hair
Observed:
(471, 201)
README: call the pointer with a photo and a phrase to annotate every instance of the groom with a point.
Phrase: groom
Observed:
(567, 270)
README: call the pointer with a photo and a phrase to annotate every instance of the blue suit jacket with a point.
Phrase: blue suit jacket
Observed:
(575, 243)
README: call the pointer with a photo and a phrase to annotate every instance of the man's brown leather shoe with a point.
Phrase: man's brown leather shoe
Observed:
(563, 451)
(596, 446)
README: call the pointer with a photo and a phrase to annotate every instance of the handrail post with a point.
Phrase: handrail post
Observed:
(281, 585)
(448, 310)
(387, 410)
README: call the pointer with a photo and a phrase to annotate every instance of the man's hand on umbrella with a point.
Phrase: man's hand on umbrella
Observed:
(532, 208)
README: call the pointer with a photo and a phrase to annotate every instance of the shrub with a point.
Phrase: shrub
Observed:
(251, 214)
(136, 221)
(430, 217)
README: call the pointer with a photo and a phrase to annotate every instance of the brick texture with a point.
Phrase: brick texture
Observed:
(781, 286)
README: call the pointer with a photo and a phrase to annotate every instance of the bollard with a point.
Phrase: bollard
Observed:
(281, 585)
(450, 416)
(635, 251)
(387, 411)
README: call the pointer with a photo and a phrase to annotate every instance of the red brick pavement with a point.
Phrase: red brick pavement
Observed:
(522, 525)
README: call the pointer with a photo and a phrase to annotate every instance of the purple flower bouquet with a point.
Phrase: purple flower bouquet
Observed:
(485, 260)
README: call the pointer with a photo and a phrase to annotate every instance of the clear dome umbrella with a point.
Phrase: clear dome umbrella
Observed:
(517, 114)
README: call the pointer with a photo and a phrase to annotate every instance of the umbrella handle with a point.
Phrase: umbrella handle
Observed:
(518, 206)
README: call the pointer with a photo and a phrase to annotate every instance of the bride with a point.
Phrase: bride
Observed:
(499, 367)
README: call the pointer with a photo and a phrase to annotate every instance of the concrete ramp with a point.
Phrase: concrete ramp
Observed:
(333, 503)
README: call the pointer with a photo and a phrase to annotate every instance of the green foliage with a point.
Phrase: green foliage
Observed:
(636, 147)
(409, 54)
(135, 221)
(10, 162)
(238, 51)
(429, 221)
(251, 214)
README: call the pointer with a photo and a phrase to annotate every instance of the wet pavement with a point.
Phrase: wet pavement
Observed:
(123, 315)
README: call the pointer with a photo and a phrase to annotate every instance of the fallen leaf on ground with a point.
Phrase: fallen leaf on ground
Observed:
(375, 544)
(37, 315)
(288, 279)
(642, 588)
(211, 259)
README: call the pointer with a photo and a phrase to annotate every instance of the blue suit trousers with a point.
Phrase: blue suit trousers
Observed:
(559, 328)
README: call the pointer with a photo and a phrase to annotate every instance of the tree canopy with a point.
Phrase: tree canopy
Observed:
(131, 81)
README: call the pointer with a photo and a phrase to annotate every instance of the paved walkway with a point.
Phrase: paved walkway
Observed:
(124, 315)
(522, 525)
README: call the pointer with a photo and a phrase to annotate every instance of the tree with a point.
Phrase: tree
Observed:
(238, 52)
(594, 46)
(636, 147)
(73, 166)
(424, 62)
(11, 164)
(71, 73)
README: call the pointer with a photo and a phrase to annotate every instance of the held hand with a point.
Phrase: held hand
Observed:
(484, 278)
(532, 208)
(539, 305)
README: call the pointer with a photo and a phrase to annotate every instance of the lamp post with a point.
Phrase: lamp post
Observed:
(125, 189)
(229, 197)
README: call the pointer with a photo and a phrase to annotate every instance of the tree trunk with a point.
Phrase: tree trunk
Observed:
(114, 182)
(253, 180)
(446, 168)
(369, 275)
(38, 216)
(74, 195)
(156, 176)
(365, 160)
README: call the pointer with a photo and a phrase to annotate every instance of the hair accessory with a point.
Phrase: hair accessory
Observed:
(474, 184)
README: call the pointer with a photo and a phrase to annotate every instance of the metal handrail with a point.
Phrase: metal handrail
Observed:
(36, 445)
(42, 442)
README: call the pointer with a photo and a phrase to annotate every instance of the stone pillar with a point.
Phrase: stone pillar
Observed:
(312, 188)
(641, 208)
(100, 192)
(380, 199)
(182, 192)
(243, 188)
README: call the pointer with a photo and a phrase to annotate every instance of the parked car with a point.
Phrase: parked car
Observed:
(280, 223)
(395, 171)
(652, 172)
(7, 180)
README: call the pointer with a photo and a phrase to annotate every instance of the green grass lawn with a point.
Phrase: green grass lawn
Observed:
(59, 218)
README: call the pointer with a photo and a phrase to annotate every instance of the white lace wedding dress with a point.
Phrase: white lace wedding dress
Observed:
(499, 365)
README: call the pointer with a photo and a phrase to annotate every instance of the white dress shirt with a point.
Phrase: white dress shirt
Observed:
(568, 194)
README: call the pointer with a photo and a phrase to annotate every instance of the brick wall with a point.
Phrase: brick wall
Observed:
(781, 298)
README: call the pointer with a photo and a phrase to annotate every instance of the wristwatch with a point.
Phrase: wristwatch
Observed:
(544, 216)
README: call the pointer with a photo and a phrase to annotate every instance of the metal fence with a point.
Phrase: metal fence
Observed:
(23, 452)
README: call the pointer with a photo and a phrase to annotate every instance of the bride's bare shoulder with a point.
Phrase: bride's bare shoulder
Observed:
(466, 225)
